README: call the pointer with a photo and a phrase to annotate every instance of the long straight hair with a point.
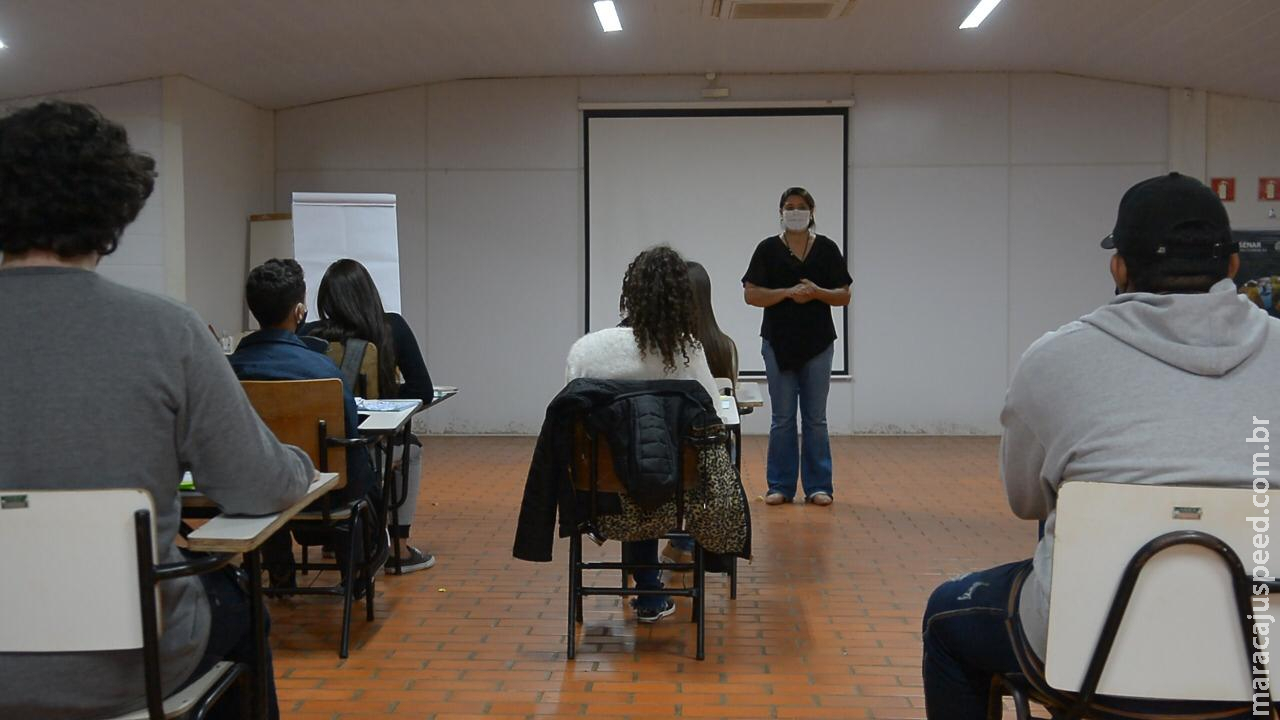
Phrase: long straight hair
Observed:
(718, 346)
(350, 307)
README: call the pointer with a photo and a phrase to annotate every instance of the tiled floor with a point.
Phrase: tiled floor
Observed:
(826, 623)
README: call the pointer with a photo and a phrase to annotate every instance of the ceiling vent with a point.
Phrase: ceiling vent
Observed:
(776, 9)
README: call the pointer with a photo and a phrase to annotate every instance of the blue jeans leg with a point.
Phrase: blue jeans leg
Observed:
(645, 551)
(231, 638)
(966, 642)
(815, 443)
(783, 461)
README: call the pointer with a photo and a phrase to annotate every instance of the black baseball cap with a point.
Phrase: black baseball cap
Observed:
(1155, 213)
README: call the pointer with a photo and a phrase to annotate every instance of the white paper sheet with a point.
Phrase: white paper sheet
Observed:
(360, 226)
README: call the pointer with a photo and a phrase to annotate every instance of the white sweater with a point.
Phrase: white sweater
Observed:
(613, 354)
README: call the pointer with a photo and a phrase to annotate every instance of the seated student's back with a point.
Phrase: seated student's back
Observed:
(105, 386)
(275, 292)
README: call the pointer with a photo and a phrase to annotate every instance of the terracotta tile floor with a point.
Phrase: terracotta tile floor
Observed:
(826, 623)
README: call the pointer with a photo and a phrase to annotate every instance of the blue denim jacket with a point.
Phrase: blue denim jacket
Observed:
(274, 354)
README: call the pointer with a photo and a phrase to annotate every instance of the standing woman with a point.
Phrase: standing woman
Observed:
(796, 276)
(350, 307)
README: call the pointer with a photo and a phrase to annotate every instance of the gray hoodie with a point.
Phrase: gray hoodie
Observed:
(1148, 389)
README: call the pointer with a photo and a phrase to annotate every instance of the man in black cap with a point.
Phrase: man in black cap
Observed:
(1169, 369)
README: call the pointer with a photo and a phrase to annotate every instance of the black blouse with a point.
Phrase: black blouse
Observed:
(797, 331)
(417, 380)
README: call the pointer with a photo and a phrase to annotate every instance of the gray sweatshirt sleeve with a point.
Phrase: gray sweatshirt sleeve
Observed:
(235, 459)
(1021, 463)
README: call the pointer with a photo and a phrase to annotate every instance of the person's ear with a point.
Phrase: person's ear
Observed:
(1233, 265)
(1119, 273)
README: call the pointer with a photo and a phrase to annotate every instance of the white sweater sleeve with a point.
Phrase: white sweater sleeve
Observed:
(702, 371)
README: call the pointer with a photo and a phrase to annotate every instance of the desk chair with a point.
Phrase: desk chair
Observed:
(107, 603)
(358, 361)
(1149, 600)
(303, 413)
(593, 476)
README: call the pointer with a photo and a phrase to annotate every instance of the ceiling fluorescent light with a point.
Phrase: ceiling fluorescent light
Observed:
(608, 15)
(2, 45)
(979, 14)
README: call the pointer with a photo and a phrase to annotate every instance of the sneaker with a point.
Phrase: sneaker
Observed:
(820, 498)
(654, 614)
(776, 498)
(414, 560)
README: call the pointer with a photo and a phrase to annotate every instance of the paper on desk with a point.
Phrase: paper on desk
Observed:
(361, 226)
(365, 405)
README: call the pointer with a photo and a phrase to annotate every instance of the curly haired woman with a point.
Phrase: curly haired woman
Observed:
(655, 341)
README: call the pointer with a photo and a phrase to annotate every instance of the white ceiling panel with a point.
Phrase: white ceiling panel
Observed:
(282, 53)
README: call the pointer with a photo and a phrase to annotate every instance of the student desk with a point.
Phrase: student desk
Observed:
(748, 394)
(385, 419)
(245, 534)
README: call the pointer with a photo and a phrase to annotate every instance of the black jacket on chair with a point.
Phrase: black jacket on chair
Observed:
(644, 422)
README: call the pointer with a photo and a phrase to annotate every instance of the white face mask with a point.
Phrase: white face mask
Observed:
(795, 220)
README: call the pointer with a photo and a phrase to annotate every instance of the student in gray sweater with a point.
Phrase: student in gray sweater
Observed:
(102, 386)
(1158, 387)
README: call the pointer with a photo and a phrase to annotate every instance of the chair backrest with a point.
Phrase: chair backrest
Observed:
(360, 370)
(1180, 638)
(607, 479)
(725, 386)
(293, 410)
(69, 563)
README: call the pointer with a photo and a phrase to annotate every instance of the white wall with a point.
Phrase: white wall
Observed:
(1244, 143)
(227, 166)
(977, 202)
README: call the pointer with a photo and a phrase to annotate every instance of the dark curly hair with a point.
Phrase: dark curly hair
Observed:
(69, 182)
(273, 289)
(657, 304)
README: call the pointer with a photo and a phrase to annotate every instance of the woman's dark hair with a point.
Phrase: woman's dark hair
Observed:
(717, 345)
(1156, 274)
(350, 307)
(657, 304)
(69, 182)
(273, 289)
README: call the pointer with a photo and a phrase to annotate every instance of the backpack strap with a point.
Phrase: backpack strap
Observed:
(352, 357)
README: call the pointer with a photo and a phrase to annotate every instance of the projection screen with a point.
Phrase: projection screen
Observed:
(707, 183)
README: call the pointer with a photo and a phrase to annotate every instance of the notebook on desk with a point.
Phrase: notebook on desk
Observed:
(367, 406)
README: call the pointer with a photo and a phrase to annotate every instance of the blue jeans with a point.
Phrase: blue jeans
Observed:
(810, 458)
(645, 551)
(967, 642)
(230, 638)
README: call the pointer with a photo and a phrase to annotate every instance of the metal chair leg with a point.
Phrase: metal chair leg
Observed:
(575, 552)
(700, 599)
(348, 585)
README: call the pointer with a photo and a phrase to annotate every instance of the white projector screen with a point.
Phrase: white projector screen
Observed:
(707, 184)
